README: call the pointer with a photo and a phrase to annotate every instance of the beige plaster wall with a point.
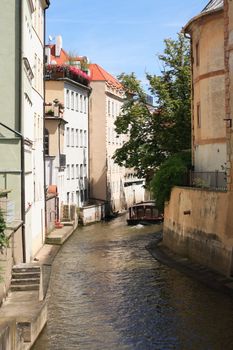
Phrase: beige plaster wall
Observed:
(54, 89)
(97, 143)
(209, 93)
(209, 32)
(53, 128)
(230, 62)
(201, 232)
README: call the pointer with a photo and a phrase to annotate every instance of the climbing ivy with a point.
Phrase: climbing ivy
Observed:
(4, 241)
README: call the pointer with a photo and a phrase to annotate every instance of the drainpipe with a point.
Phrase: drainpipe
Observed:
(20, 134)
(45, 203)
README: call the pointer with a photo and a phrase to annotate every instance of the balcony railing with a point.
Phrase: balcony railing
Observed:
(213, 180)
(54, 72)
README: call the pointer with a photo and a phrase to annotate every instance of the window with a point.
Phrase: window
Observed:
(68, 172)
(85, 104)
(72, 197)
(85, 170)
(113, 109)
(81, 138)
(72, 171)
(197, 54)
(85, 138)
(77, 171)
(81, 196)
(77, 198)
(72, 137)
(68, 197)
(77, 102)
(198, 115)
(109, 108)
(46, 142)
(72, 100)
(85, 195)
(81, 103)
(35, 72)
(67, 99)
(77, 137)
(81, 171)
(67, 137)
(109, 135)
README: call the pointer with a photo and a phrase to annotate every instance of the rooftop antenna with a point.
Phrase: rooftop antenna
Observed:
(51, 39)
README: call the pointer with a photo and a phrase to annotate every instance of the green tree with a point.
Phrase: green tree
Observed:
(172, 172)
(155, 134)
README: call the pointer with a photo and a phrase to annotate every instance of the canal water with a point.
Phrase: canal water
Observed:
(108, 293)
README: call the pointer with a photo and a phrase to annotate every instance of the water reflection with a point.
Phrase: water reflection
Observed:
(107, 292)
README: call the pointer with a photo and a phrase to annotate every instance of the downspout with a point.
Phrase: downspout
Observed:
(21, 132)
(45, 203)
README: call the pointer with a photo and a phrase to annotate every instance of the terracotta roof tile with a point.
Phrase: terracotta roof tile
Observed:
(99, 74)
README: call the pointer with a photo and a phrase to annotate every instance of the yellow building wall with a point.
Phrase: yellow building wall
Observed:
(201, 232)
(54, 89)
(97, 137)
(209, 130)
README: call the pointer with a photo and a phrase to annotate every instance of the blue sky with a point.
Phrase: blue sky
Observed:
(120, 35)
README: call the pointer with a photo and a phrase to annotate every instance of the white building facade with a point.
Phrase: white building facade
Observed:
(70, 85)
(32, 99)
(75, 190)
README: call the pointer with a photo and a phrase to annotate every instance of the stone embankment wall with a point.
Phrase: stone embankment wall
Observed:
(199, 224)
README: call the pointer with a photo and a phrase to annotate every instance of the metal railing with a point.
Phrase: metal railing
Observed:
(213, 180)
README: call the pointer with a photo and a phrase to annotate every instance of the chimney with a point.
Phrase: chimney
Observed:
(58, 46)
(47, 55)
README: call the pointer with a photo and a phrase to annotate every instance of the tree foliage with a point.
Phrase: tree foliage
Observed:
(173, 172)
(154, 134)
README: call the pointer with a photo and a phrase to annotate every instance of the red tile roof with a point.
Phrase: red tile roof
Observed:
(99, 74)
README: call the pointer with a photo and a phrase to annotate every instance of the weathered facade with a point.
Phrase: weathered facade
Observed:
(198, 223)
(109, 182)
(208, 85)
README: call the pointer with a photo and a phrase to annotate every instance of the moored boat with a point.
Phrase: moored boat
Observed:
(144, 213)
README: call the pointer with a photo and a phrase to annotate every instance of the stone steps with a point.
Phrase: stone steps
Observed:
(25, 278)
(25, 287)
(25, 275)
(26, 281)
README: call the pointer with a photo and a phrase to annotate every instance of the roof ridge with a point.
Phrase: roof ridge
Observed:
(213, 5)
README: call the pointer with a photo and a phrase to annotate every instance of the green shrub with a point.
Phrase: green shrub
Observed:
(172, 172)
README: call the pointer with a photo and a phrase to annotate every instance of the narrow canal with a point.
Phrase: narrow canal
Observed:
(108, 293)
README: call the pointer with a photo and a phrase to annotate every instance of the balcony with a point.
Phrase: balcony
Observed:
(56, 72)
